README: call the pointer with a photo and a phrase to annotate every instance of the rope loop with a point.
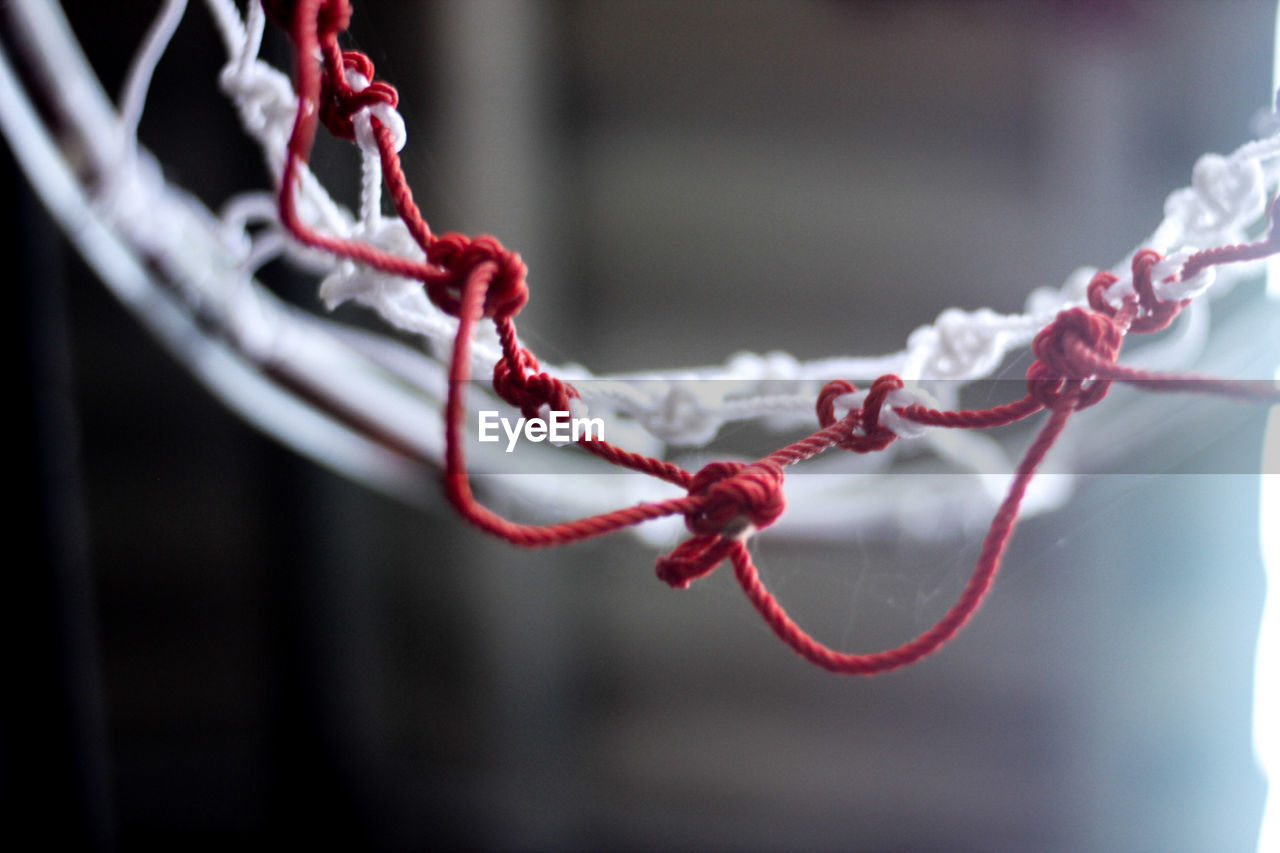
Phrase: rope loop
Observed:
(1068, 352)
(1156, 314)
(340, 101)
(866, 433)
(873, 435)
(1143, 311)
(826, 406)
(459, 256)
(1097, 293)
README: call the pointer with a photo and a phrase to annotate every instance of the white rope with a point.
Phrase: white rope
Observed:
(134, 94)
(646, 409)
(1226, 196)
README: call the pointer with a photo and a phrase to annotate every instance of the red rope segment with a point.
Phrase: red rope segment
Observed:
(1239, 389)
(332, 16)
(475, 278)
(928, 642)
(1267, 246)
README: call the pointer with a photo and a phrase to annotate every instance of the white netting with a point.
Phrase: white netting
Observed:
(398, 389)
(1227, 198)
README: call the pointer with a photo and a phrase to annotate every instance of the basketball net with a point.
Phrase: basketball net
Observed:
(383, 412)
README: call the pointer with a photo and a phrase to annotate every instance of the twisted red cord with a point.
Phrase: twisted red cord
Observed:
(1240, 389)
(996, 416)
(1267, 246)
(474, 278)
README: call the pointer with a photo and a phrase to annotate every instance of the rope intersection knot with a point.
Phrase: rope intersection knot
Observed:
(866, 432)
(1142, 311)
(733, 491)
(733, 499)
(459, 257)
(1069, 352)
(340, 101)
(524, 387)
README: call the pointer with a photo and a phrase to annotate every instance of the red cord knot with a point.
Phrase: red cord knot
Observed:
(735, 491)
(1145, 311)
(339, 101)
(522, 386)
(734, 499)
(1068, 352)
(866, 433)
(459, 256)
(333, 16)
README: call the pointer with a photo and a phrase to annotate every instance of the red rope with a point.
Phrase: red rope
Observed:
(1267, 246)
(475, 278)
(953, 620)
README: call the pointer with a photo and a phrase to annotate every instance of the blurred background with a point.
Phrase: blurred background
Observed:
(213, 641)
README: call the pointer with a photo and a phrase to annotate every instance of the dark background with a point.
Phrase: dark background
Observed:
(212, 641)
